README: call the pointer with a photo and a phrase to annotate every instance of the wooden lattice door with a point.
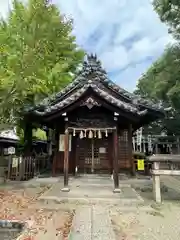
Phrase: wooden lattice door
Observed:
(92, 155)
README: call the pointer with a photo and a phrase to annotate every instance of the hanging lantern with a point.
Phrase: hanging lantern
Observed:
(85, 132)
(149, 143)
(99, 134)
(134, 145)
(90, 134)
(106, 133)
(94, 133)
(144, 146)
(74, 132)
(81, 135)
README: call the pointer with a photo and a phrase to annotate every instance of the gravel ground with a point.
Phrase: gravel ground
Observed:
(146, 221)
(151, 221)
(157, 223)
(21, 203)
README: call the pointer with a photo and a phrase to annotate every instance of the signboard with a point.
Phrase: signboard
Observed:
(102, 150)
(15, 162)
(61, 142)
(11, 150)
(140, 164)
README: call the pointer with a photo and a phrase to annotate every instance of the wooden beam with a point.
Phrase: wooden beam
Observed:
(129, 115)
(66, 161)
(115, 163)
(68, 108)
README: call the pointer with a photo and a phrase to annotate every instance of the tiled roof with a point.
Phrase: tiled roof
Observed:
(93, 76)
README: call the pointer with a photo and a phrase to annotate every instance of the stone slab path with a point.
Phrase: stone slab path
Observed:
(92, 223)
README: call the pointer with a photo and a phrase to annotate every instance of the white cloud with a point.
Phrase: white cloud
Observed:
(129, 76)
(4, 7)
(125, 34)
(130, 34)
(111, 62)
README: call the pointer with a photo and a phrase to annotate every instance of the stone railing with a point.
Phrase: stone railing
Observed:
(163, 164)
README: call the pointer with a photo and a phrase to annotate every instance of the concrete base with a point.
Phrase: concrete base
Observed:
(116, 190)
(65, 189)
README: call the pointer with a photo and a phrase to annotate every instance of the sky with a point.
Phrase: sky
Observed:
(126, 35)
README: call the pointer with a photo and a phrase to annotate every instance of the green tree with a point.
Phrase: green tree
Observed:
(39, 135)
(169, 13)
(38, 55)
(162, 82)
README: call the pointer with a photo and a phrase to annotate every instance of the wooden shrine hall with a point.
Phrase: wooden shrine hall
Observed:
(93, 120)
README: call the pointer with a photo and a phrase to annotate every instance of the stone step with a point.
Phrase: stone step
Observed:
(91, 201)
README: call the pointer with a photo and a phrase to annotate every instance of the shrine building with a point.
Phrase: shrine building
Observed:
(93, 120)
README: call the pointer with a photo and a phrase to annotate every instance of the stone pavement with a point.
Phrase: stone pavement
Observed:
(171, 182)
(155, 223)
(113, 219)
(93, 197)
(92, 223)
(91, 190)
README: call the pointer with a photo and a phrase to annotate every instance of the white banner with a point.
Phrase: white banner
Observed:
(61, 142)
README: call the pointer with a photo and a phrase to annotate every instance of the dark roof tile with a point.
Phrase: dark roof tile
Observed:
(93, 75)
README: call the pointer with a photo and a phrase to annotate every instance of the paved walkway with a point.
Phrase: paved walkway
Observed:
(97, 221)
(92, 190)
(171, 182)
(92, 223)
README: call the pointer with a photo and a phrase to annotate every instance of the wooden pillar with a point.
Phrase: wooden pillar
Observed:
(75, 148)
(27, 138)
(66, 161)
(56, 153)
(49, 141)
(49, 147)
(110, 155)
(115, 163)
(178, 146)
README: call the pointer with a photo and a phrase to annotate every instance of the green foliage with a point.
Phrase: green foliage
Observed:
(169, 13)
(39, 134)
(162, 80)
(38, 53)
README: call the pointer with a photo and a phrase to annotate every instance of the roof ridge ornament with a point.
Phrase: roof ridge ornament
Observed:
(92, 64)
(90, 102)
(92, 57)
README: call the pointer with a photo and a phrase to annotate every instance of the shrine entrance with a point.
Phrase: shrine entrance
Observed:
(92, 155)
